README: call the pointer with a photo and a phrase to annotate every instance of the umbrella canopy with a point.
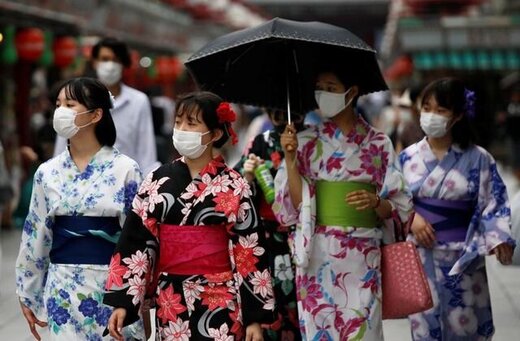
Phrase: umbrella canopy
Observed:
(275, 63)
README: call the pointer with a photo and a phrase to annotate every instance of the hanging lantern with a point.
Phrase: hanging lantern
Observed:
(168, 68)
(30, 43)
(8, 54)
(65, 50)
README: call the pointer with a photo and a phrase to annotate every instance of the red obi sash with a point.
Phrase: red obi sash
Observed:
(193, 250)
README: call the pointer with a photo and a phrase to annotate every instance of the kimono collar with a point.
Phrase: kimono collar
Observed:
(213, 167)
(356, 135)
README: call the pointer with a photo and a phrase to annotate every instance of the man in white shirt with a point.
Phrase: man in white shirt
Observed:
(132, 112)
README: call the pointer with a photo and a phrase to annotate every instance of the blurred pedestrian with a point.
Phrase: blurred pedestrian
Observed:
(340, 187)
(462, 214)
(80, 199)
(192, 240)
(266, 149)
(409, 130)
(131, 113)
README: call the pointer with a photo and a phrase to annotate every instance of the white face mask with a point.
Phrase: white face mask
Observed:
(109, 73)
(64, 122)
(331, 103)
(434, 125)
(189, 143)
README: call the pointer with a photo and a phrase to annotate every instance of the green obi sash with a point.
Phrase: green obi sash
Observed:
(331, 208)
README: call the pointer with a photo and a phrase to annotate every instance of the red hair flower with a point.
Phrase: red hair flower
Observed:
(226, 115)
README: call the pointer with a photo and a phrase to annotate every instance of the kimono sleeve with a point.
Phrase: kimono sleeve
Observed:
(495, 221)
(250, 261)
(395, 190)
(132, 265)
(133, 179)
(33, 258)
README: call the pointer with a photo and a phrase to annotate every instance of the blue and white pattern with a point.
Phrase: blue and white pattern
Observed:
(456, 270)
(69, 296)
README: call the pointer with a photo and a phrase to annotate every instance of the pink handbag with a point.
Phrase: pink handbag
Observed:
(404, 284)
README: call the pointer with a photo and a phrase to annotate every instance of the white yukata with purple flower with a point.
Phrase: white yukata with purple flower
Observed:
(456, 270)
(338, 273)
(69, 296)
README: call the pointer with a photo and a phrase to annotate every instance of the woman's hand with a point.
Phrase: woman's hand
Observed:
(362, 199)
(504, 253)
(115, 323)
(254, 332)
(289, 142)
(32, 321)
(423, 231)
(249, 167)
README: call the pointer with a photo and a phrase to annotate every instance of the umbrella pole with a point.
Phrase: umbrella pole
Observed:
(288, 101)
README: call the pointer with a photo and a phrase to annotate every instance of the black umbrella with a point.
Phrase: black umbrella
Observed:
(274, 64)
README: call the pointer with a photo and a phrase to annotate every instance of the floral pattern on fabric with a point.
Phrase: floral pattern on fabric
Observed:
(286, 327)
(338, 278)
(69, 297)
(199, 306)
(456, 271)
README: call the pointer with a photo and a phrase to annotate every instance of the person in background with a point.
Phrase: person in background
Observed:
(79, 201)
(192, 241)
(339, 184)
(409, 131)
(462, 214)
(131, 112)
(266, 149)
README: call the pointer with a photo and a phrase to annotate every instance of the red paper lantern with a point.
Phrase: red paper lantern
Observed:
(65, 50)
(30, 43)
(168, 68)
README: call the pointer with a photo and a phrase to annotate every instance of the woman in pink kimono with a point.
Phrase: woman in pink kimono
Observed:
(341, 186)
(192, 240)
(462, 215)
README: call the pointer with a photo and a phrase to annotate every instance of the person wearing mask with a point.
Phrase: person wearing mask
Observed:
(265, 149)
(132, 112)
(79, 201)
(340, 186)
(192, 241)
(462, 214)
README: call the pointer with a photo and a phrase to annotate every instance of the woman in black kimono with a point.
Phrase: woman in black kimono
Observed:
(265, 148)
(192, 241)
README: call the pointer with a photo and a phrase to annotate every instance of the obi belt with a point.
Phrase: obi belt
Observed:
(193, 250)
(332, 210)
(84, 240)
(449, 218)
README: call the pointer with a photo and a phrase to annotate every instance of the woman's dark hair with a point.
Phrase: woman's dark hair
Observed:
(93, 95)
(450, 93)
(118, 47)
(345, 76)
(207, 102)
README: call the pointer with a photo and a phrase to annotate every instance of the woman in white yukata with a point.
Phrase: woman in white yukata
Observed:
(80, 199)
(462, 215)
(340, 184)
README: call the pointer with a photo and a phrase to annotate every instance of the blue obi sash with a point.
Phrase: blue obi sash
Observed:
(449, 218)
(84, 240)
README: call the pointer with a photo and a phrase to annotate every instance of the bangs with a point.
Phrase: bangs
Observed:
(191, 110)
(76, 92)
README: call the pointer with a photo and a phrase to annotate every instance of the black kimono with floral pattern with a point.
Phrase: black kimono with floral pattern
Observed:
(199, 306)
(286, 327)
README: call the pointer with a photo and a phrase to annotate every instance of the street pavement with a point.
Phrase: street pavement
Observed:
(504, 284)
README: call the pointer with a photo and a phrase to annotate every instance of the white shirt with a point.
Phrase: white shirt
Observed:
(132, 115)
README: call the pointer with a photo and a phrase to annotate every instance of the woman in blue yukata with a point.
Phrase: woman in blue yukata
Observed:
(80, 199)
(462, 215)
